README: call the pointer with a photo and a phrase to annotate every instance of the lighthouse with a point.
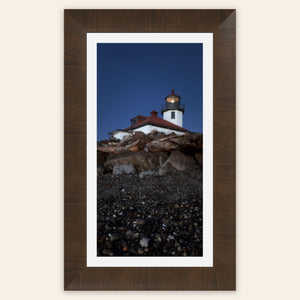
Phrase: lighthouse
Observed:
(173, 110)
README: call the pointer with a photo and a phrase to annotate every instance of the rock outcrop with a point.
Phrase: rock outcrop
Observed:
(123, 169)
(155, 151)
(179, 161)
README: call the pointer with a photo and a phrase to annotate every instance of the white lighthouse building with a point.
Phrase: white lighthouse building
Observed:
(172, 112)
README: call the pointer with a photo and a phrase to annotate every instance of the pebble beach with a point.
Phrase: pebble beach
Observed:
(150, 214)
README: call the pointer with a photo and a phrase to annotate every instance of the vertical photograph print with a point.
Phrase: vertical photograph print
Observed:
(149, 149)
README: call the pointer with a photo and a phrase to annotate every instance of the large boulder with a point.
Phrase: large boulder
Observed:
(199, 157)
(179, 161)
(123, 169)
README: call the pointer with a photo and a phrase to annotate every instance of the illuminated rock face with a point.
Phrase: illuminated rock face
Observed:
(173, 110)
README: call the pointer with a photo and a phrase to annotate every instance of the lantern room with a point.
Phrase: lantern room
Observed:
(173, 110)
(172, 102)
(172, 98)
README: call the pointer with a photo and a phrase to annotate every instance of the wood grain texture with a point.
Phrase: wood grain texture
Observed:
(223, 275)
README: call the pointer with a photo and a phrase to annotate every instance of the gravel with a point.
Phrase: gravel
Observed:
(150, 216)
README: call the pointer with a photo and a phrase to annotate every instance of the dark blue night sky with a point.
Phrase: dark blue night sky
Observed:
(134, 79)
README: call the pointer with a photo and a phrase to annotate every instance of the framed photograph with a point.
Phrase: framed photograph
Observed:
(145, 180)
(149, 150)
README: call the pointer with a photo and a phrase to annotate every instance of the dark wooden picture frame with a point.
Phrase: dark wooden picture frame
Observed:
(222, 276)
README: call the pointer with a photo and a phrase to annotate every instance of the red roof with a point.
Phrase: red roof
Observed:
(157, 121)
(141, 117)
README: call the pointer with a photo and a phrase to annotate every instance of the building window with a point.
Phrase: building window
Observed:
(173, 115)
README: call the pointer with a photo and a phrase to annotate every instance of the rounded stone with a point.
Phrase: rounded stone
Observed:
(144, 242)
(140, 251)
(114, 237)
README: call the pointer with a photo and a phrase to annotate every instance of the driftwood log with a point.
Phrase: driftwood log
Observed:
(190, 142)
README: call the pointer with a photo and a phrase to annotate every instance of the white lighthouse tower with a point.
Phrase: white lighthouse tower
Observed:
(173, 110)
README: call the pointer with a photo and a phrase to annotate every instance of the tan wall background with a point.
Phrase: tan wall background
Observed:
(31, 189)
